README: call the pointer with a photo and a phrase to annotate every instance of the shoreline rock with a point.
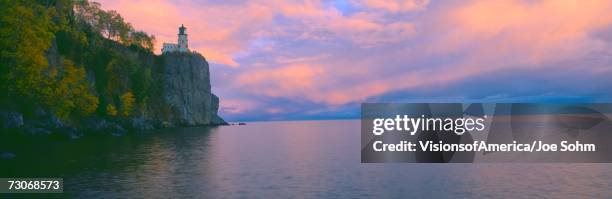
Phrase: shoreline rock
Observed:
(11, 119)
(7, 155)
(89, 127)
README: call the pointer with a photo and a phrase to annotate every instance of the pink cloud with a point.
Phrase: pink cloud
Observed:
(533, 32)
(501, 35)
(218, 32)
(236, 106)
(395, 5)
(384, 46)
(291, 80)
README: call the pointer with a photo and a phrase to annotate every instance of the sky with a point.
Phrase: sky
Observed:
(294, 60)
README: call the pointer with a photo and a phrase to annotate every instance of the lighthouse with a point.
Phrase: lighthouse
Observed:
(181, 45)
(182, 40)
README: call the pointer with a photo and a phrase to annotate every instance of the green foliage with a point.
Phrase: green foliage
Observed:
(25, 35)
(142, 39)
(127, 103)
(75, 59)
(111, 110)
(70, 94)
(111, 25)
(143, 86)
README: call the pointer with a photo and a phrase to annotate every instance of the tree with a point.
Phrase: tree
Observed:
(113, 26)
(127, 103)
(70, 94)
(25, 35)
(111, 110)
(142, 82)
(88, 13)
(53, 52)
(142, 39)
(108, 23)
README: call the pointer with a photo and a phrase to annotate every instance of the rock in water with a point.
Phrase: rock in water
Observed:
(11, 119)
(141, 124)
(7, 155)
(187, 90)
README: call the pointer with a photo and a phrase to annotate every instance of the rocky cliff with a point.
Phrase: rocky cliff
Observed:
(184, 99)
(186, 89)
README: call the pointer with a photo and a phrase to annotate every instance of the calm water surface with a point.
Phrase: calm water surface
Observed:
(302, 159)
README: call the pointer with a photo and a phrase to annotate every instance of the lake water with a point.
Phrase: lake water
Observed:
(304, 159)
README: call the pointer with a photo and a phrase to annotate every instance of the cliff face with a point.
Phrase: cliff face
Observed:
(184, 99)
(186, 89)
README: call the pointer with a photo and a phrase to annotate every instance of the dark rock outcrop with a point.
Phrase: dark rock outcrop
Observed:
(141, 124)
(46, 119)
(7, 155)
(11, 119)
(38, 131)
(70, 133)
(102, 126)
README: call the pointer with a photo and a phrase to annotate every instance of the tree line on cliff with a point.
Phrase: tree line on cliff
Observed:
(75, 60)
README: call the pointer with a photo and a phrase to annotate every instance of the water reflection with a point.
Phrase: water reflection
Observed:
(282, 159)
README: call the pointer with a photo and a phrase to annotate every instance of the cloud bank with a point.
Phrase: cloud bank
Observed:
(320, 59)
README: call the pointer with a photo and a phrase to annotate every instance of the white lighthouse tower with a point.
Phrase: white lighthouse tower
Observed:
(182, 40)
(181, 46)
